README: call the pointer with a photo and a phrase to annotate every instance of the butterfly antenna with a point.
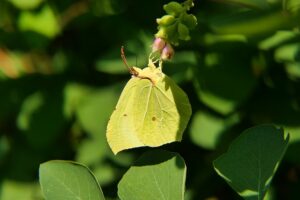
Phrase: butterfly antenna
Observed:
(124, 57)
(130, 69)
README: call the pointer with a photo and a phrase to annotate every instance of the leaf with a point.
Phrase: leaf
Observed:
(40, 118)
(288, 53)
(292, 6)
(293, 70)
(4, 147)
(252, 160)
(223, 83)
(44, 22)
(261, 4)
(63, 180)
(251, 24)
(207, 129)
(151, 111)
(158, 175)
(12, 190)
(279, 38)
(24, 5)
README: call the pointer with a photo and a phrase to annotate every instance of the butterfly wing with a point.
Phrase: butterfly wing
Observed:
(162, 112)
(148, 115)
(121, 132)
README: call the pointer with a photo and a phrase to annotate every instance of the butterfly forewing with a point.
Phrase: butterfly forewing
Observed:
(121, 131)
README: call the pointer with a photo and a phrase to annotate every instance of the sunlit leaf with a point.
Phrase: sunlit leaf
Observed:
(289, 52)
(158, 175)
(252, 159)
(28, 4)
(11, 190)
(292, 6)
(62, 180)
(29, 107)
(277, 39)
(293, 69)
(45, 22)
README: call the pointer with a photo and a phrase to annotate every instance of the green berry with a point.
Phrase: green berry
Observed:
(173, 8)
(166, 20)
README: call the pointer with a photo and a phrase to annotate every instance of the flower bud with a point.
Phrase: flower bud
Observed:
(158, 44)
(167, 52)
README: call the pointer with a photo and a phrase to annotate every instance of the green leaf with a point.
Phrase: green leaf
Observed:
(293, 70)
(207, 129)
(45, 22)
(252, 160)
(62, 180)
(251, 24)
(223, 82)
(158, 175)
(12, 190)
(41, 112)
(28, 4)
(4, 147)
(292, 6)
(288, 53)
(261, 4)
(277, 39)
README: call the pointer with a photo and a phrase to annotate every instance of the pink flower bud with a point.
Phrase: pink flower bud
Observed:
(158, 44)
(167, 52)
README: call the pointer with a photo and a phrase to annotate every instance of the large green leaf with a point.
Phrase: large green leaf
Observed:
(158, 175)
(252, 160)
(68, 180)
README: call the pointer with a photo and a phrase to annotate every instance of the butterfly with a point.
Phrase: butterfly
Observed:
(152, 110)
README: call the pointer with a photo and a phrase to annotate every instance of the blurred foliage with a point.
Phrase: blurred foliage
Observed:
(61, 76)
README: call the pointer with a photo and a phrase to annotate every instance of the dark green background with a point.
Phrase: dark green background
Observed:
(61, 76)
